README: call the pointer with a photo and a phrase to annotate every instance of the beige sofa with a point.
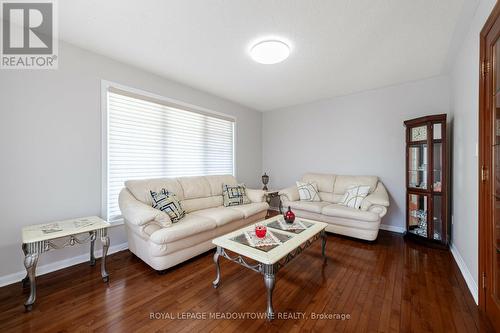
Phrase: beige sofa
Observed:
(206, 218)
(360, 223)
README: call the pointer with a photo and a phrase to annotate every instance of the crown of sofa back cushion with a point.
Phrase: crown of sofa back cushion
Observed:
(203, 192)
(141, 188)
(216, 182)
(325, 182)
(191, 205)
(195, 187)
(343, 182)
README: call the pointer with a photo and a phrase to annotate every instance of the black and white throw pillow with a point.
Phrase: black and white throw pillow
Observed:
(234, 195)
(354, 195)
(308, 191)
(168, 203)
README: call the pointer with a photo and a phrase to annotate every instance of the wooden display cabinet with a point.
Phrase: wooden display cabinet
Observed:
(427, 180)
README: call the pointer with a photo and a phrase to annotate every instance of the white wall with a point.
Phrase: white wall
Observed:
(50, 127)
(360, 134)
(465, 105)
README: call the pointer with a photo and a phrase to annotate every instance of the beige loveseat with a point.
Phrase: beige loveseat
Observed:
(360, 223)
(206, 218)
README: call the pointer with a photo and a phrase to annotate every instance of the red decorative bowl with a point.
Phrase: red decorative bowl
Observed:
(260, 231)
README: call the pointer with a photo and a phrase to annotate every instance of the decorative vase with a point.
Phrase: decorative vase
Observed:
(260, 231)
(289, 216)
(265, 181)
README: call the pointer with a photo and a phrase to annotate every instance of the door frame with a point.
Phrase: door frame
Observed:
(484, 160)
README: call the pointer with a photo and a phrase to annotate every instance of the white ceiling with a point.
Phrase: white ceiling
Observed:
(338, 46)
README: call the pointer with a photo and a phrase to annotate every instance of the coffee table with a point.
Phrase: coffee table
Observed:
(268, 260)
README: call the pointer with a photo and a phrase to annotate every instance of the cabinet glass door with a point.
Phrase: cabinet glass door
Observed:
(417, 166)
(437, 171)
(417, 214)
(437, 217)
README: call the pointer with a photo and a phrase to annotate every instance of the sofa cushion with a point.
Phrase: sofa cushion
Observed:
(216, 183)
(251, 209)
(255, 195)
(325, 182)
(188, 226)
(309, 206)
(221, 215)
(330, 197)
(342, 183)
(336, 210)
(140, 189)
(195, 187)
(191, 205)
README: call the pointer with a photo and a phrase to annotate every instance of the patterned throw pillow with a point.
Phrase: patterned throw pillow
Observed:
(308, 191)
(168, 203)
(234, 195)
(354, 196)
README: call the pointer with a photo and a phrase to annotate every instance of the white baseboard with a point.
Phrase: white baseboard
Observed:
(54, 266)
(469, 279)
(392, 228)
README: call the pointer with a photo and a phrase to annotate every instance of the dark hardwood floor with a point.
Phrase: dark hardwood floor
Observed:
(386, 286)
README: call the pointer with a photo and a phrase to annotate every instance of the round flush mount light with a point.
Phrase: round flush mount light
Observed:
(270, 52)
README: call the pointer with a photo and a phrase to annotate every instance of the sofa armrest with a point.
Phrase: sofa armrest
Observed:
(255, 195)
(139, 213)
(144, 231)
(380, 210)
(378, 197)
(290, 193)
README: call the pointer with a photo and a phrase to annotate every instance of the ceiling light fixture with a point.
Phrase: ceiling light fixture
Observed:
(270, 52)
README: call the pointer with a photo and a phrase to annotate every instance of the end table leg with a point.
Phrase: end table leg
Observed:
(92, 245)
(217, 254)
(30, 261)
(105, 246)
(269, 280)
(323, 243)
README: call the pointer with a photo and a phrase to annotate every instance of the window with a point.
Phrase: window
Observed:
(151, 138)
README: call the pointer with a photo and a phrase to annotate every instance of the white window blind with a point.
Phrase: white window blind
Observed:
(147, 139)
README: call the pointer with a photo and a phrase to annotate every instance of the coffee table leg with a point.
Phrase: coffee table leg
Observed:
(323, 243)
(269, 281)
(217, 254)
(30, 261)
(105, 247)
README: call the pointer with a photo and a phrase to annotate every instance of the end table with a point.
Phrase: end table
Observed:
(38, 239)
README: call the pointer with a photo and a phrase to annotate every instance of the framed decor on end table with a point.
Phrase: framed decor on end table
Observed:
(427, 180)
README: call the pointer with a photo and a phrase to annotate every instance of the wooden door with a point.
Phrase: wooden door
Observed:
(489, 169)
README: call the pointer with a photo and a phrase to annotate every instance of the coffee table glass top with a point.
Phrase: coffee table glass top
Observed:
(298, 226)
(242, 239)
(238, 242)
